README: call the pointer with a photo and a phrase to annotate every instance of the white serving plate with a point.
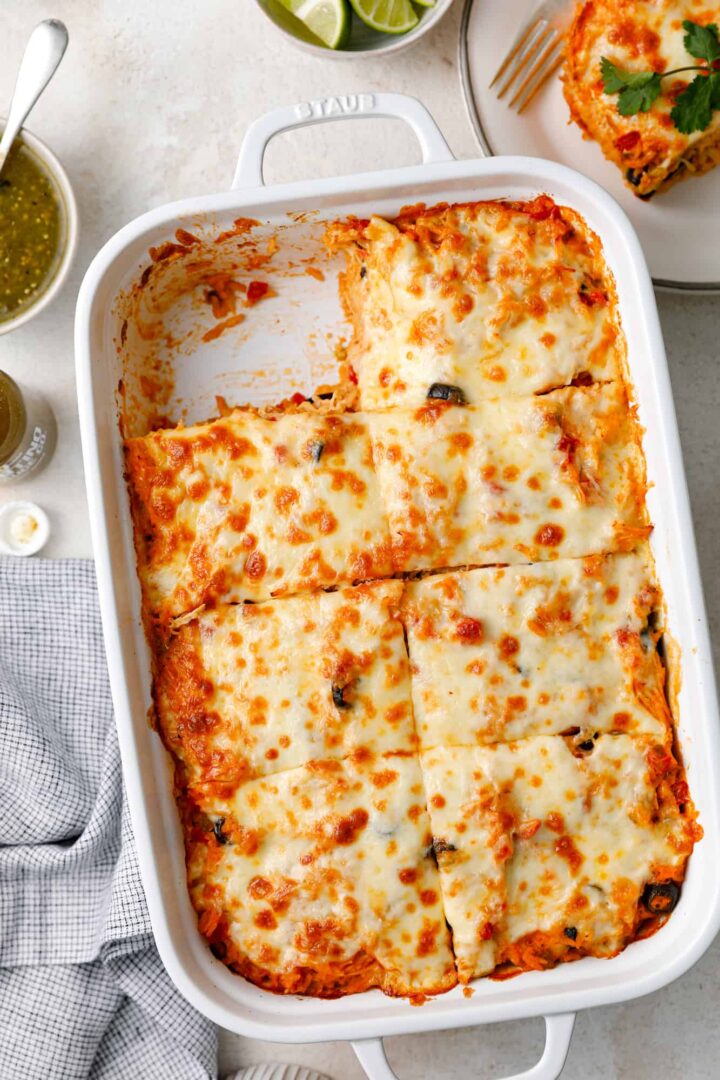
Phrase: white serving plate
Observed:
(679, 230)
(283, 340)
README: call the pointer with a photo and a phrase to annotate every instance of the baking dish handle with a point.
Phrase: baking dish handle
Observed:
(249, 171)
(558, 1033)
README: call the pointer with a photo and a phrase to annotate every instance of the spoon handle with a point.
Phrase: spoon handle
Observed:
(43, 52)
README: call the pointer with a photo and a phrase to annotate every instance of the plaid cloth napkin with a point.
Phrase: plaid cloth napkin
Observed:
(83, 992)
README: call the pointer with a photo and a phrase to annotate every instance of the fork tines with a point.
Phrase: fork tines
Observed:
(533, 58)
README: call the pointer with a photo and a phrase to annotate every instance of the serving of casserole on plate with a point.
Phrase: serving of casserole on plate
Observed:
(405, 635)
(636, 107)
(661, 130)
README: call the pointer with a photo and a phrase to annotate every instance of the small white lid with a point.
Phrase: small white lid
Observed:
(24, 528)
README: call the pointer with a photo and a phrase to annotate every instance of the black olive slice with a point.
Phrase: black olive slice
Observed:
(437, 847)
(586, 746)
(649, 632)
(326, 397)
(661, 897)
(338, 696)
(219, 834)
(363, 270)
(316, 449)
(446, 392)
(634, 176)
(571, 932)
(583, 378)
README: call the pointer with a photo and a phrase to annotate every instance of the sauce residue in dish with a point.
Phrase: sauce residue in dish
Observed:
(30, 231)
(24, 528)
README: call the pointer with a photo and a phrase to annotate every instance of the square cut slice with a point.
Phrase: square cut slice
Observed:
(512, 480)
(564, 647)
(491, 299)
(546, 856)
(639, 37)
(250, 689)
(323, 881)
(251, 507)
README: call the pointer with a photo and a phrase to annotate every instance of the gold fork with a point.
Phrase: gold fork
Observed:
(535, 55)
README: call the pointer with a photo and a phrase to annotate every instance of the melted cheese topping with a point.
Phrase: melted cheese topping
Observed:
(646, 35)
(252, 689)
(569, 646)
(511, 480)
(538, 693)
(493, 298)
(323, 883)
(533, 842)
(248, 507)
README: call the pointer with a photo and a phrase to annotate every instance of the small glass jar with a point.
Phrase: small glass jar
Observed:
(27, 431)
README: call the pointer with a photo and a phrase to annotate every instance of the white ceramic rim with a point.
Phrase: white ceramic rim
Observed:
(394, 44)
(70, 211)
(639, 970)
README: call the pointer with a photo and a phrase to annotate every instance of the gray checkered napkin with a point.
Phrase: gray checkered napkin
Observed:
(82, 990)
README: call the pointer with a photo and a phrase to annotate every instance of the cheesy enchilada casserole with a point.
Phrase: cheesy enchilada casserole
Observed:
(408, 651)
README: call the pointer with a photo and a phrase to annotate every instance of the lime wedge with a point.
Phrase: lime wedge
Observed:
(328, 20)
(425, 3)
(389, 16)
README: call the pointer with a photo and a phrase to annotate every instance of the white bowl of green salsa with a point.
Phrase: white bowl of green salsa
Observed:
(38, 230)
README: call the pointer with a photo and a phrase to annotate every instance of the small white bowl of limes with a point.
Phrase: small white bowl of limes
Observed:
(347, 28)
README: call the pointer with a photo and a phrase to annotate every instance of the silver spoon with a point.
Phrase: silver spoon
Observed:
(43, 52)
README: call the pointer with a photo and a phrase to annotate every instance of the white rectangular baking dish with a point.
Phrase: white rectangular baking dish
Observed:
(222, 368)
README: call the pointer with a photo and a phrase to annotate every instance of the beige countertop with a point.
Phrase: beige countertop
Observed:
(150, 105)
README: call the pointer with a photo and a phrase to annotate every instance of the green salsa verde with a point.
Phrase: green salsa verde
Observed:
(31, 227)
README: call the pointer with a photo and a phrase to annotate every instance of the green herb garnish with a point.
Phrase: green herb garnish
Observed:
(693, 109)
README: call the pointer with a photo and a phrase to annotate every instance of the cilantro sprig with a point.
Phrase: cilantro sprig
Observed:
(639, 90)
